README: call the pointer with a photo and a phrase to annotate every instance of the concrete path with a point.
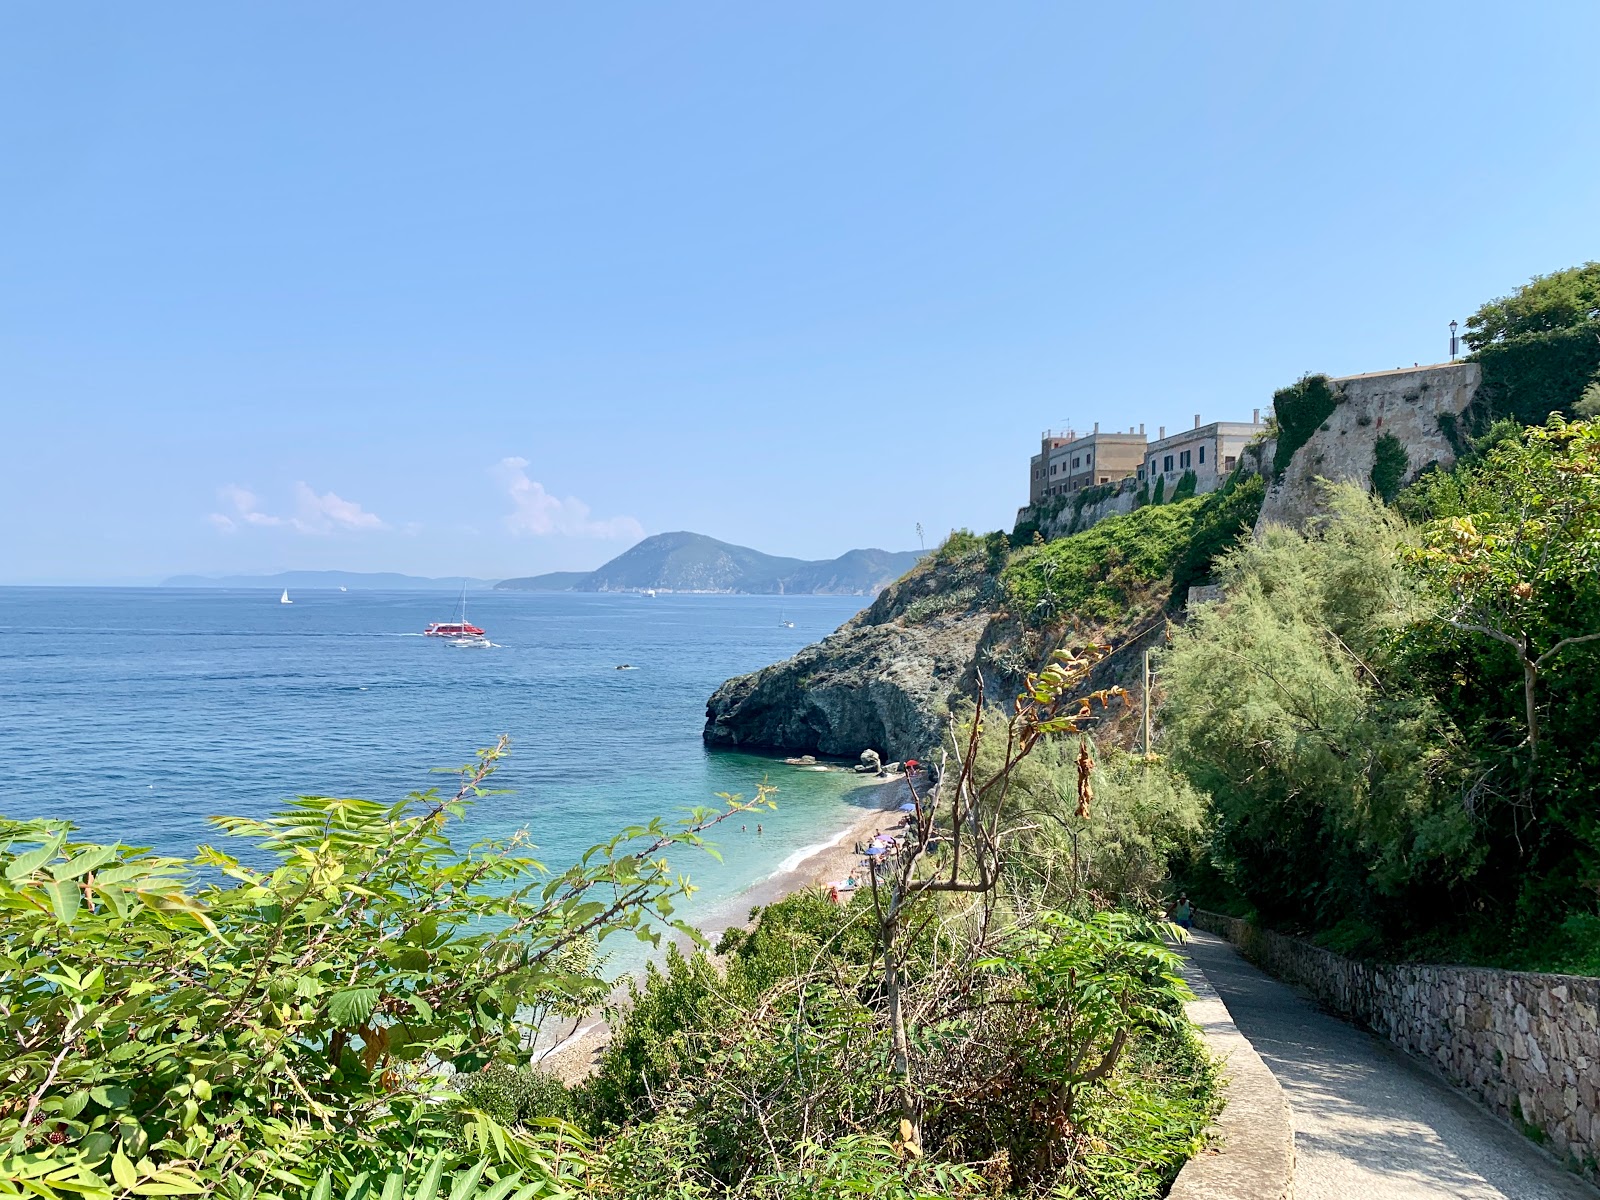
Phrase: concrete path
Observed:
(1369, 1122)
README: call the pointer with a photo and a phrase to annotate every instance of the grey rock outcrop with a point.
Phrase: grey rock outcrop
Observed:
(883, 681)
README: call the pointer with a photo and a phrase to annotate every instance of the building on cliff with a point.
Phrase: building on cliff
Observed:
(1068, 463)
(1210, 451)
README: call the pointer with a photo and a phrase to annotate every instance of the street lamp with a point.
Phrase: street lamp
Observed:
(1455, 344)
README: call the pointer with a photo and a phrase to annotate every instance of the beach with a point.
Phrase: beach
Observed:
(576, 1054)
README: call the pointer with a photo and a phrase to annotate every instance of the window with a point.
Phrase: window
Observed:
(1105, 479)
(1074, 462)
(1202, 456)
(1141, 470)
(1166, 463)
(1052, 468)
(1183, 460)
(1089, 457)
(1228, 463)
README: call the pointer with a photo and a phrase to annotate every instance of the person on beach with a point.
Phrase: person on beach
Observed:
(758, 829)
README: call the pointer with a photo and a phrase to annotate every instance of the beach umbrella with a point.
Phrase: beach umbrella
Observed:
(908, 807)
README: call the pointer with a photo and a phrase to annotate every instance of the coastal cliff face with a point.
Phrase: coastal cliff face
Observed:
(882, 682)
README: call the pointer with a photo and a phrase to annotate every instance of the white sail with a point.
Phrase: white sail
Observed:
(284, 599)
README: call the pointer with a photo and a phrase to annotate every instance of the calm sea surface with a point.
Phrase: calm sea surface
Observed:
(139, 712)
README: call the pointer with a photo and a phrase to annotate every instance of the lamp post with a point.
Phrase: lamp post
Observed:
(1455, 344)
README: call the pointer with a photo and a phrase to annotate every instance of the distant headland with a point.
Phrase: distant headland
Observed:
(692, 562)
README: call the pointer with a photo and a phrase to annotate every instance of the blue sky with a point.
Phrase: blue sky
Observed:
(494, 290)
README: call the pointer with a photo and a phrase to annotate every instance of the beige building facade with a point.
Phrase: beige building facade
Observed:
(1068, 462)
(1210, 451)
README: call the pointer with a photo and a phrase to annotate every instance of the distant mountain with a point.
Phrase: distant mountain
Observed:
(692, 562)
(312, 580)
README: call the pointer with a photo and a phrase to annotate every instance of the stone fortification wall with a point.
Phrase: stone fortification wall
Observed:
(1525, 1044)
(1406, 404)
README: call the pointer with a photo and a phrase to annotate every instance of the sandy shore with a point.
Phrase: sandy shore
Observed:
(577, 1054)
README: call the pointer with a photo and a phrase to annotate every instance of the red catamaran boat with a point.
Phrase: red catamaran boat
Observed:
(459, 628)
(452, 629)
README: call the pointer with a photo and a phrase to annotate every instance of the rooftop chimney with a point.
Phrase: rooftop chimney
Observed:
(1197, 420)
(1141, 426)
(1097, 426)
(1255, 416)
(1161, 432)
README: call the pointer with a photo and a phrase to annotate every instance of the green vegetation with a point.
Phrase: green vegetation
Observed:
(208, 1025)
(1222, 519)
(1099, 574)
(1539, 349)
(1394, 716)
(1388, 466)
(1187, 482)
(1297, 411)
(354, 1019)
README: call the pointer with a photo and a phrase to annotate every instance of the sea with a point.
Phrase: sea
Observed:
(139, 713)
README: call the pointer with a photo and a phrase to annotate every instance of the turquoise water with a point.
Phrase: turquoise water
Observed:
(139, 712)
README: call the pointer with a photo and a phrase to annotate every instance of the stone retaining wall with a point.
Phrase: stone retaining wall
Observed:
(1527, 1045)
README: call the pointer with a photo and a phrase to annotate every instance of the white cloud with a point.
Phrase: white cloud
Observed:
(535, 511)
(329, 512)
(314, 514)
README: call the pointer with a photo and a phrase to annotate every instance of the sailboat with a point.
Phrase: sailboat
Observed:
(284, 599)
(783, 621)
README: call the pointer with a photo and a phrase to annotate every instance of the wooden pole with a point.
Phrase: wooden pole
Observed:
(1147, 703)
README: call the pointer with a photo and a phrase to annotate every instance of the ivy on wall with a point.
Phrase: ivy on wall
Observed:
(1299, 409)
(1389, 466)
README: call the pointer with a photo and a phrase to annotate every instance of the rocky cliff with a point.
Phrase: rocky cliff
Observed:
(883, 681)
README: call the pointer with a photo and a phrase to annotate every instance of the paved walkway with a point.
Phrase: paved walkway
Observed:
(1369, 1122)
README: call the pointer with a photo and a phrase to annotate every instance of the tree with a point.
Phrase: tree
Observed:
(1334, 792)
(1559, 300)
(1522, 557)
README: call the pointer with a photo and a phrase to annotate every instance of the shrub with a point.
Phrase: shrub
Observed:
(244, 1034)
(1224, 516)
(1096, 575)
(1187, 482)
(1389, 464)
(1298, 410)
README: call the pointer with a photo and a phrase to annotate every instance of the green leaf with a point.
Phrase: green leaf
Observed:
(122, 1170)
(467, 1181)
(502, 1189)
(393, 1186)
(352, 1006)
(429, 1188)
(26, 864)
(73, 1105)
(110, 1096)
(64, 899)
(82, 864)
(324, 1188)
